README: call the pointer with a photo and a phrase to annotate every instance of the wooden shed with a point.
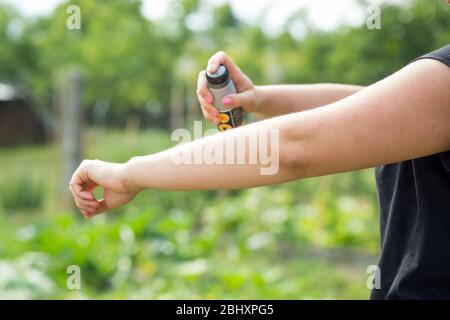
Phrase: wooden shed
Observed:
(19, 122)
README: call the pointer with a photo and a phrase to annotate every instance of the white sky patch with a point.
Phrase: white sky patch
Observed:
(34, 8)
(270, 14)
(326, 15)
(155, 9)
(322, 14)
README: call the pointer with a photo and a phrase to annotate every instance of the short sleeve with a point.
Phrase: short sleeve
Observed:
(441, 54)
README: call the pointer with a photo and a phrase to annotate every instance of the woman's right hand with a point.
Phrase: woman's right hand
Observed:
(245, 98)
(112, 177)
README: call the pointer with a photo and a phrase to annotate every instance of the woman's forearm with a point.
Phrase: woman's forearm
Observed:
(256, 159)
(275, 100)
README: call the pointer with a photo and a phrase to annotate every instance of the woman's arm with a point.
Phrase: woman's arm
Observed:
(404, 116)
(275, 100)
(266, 101)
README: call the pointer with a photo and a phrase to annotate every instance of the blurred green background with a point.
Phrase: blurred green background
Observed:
(310, 239)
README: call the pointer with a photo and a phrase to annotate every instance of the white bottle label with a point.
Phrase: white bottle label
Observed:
(222, 92)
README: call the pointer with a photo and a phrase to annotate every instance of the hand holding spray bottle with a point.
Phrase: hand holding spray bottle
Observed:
(221, 85)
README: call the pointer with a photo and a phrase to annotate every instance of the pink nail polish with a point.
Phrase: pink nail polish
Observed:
(215, 112)
(227, 101)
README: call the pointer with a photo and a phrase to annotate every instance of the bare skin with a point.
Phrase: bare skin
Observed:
(266, 101)
(323, 129)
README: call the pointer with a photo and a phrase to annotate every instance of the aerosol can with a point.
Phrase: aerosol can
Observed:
(221, 85)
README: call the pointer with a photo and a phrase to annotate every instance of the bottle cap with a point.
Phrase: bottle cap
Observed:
(219, 77)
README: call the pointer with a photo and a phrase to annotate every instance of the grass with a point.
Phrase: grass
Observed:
(269, 242)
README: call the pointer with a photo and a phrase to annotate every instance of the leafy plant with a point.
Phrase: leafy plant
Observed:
(22, 193)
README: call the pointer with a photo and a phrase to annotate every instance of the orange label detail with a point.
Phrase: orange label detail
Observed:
(223, 127)
(223, 118)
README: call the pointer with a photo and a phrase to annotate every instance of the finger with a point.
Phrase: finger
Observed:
(78, 204)
(83, 212)
(86, 195)
(84, 209)
(206, 98)
(81, 176)
(80, 181)
(89, 204)
(238, 100)
(222, 58)
(88, 213)
(81, 203)
(202, 87)
(208, 107)
(76, 183)
(239, 78)
(72, 191)
(76, 199)
(75, 188)
(210, 117)
(103, 207)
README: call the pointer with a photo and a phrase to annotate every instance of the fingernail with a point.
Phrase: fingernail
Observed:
(227, 101)
(214, 112)
(209, 67)
(216, 121)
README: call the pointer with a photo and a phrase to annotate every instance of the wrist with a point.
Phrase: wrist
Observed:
(130, 180)
(258, 106)
(257, 101)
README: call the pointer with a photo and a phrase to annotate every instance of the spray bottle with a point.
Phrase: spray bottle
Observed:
(221, 85)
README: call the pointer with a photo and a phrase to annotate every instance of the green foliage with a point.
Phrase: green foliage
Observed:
(128, 60)
(25, 277)
(268, 242)
(22, 192)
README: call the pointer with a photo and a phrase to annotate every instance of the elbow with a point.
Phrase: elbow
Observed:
(293, 151)
(292, 158)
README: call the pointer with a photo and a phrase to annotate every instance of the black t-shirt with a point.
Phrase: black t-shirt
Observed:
(414, 201)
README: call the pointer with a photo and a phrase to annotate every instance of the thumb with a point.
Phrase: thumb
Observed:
(243, 99)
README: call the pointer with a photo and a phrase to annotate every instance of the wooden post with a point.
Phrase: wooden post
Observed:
(176, 106)
(68, 99)
(193, 106)
(183, 106)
